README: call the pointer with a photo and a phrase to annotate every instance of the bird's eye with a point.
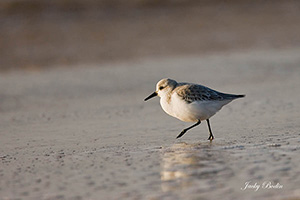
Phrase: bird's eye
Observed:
(161, 87)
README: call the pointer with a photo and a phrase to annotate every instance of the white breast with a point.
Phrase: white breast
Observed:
(190, 112)
(166, 106)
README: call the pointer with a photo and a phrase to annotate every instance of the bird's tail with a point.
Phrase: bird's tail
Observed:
(234, 96)
(239, 96)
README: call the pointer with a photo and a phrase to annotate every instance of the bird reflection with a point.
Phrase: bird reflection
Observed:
(186, 165)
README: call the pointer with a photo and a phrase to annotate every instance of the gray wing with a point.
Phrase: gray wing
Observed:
(194, 92)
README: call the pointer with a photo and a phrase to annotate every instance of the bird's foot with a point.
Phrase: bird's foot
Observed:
(211, 137)
(181, 134)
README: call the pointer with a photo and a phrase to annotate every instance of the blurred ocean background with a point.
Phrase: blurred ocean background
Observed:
(38, 34)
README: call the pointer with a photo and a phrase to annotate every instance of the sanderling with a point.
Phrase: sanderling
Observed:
(190, 102)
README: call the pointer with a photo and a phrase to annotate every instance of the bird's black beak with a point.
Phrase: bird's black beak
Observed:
(154, 94)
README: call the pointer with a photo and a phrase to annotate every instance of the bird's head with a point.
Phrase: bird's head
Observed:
(163, 87)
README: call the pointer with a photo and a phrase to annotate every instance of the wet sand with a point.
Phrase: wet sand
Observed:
(86, 133)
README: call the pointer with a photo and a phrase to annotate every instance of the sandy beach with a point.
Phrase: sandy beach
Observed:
(86, 133)
(74, 75)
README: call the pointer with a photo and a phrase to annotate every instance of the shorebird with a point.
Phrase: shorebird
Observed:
(190, 102)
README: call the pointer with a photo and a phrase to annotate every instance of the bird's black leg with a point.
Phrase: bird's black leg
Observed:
(186, 129)
(211, 136)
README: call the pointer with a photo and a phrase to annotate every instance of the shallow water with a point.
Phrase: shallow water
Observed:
(221, 169)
